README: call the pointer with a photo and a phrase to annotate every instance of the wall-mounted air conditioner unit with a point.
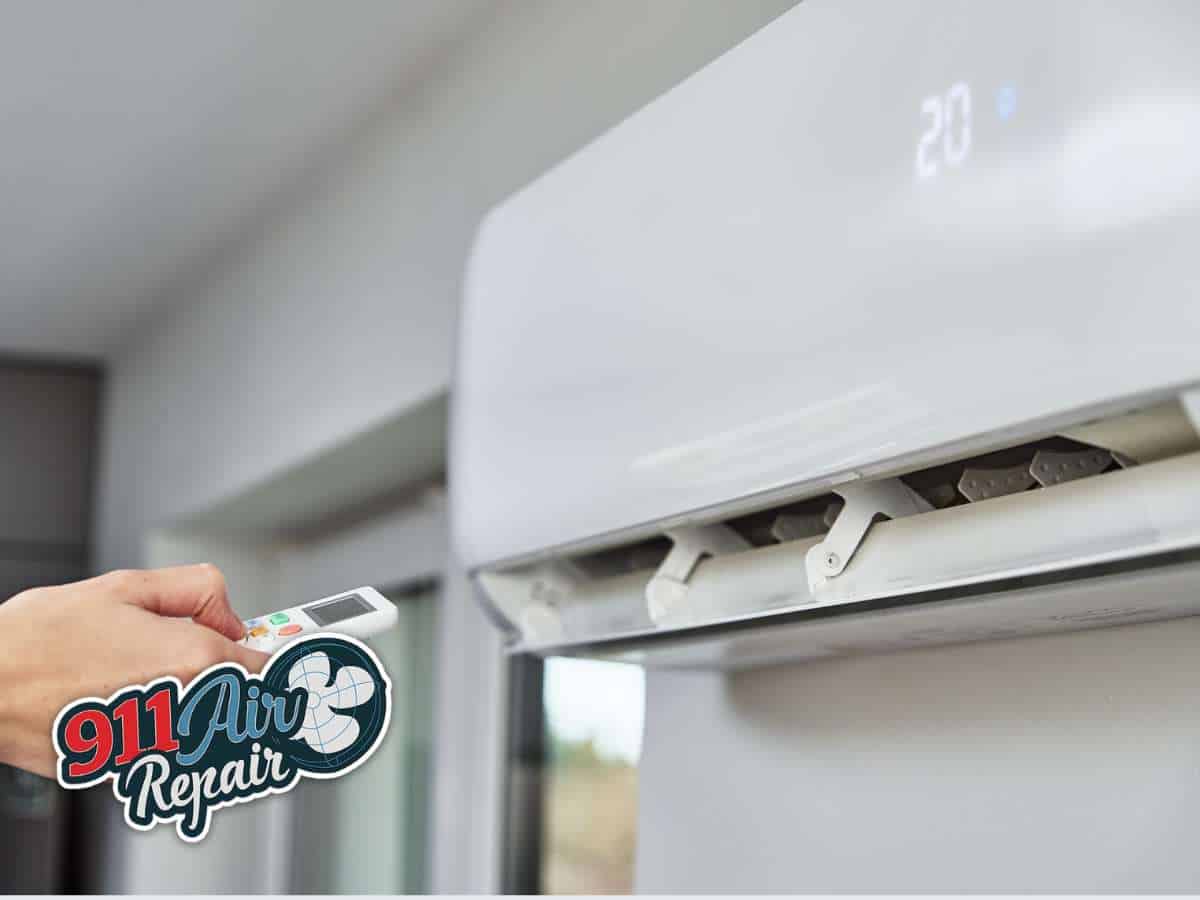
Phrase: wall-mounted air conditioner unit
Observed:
(880, 331)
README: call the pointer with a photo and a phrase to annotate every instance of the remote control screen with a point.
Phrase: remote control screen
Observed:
(338, 609)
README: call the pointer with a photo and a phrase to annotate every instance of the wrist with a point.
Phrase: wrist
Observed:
(24, 737)
(9, 651)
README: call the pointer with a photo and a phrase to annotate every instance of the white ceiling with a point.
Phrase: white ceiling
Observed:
(137, 137)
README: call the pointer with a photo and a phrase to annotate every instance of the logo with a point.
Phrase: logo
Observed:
(175, 754)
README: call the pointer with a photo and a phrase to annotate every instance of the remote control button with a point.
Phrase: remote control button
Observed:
(279, 618)
(288, 630)
(251, 623)
(259, 631)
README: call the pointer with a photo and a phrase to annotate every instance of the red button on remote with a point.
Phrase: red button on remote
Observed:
(288, 630)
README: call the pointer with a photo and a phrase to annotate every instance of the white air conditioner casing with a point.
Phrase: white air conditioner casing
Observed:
(870, 240)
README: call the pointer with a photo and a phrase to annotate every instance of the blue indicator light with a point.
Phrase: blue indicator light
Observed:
(1006, 102)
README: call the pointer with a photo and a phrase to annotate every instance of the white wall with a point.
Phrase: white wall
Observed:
(1056, 763)
(338, 319)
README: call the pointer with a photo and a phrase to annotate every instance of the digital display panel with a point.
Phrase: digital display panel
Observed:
(337, 610)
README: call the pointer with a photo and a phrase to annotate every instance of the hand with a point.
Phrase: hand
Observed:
(94, 637)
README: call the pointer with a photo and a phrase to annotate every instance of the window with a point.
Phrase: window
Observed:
(368, 834)
(575, 742)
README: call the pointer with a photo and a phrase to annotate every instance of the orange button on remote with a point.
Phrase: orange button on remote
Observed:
(288, 630)
(259, 631)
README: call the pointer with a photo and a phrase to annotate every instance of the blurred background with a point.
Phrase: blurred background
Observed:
(233, 241)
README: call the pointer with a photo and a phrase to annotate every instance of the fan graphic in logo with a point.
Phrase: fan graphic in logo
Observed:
(323, 728)
(347, 706)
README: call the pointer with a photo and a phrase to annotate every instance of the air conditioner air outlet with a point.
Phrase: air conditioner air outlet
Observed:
(1053, 503)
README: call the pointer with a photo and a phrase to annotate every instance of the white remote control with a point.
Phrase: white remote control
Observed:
(361, 613)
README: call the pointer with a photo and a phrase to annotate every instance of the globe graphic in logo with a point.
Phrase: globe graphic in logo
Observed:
(347, 705)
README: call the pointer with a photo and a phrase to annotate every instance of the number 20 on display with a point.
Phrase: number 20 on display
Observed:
(946, 139)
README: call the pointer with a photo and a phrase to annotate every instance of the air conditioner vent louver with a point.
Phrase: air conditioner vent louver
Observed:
(1050, 504)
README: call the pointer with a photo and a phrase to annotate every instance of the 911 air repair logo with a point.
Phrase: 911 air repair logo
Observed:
(174, 754)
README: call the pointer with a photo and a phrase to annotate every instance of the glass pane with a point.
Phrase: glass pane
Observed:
(593, 713)
(367, 834)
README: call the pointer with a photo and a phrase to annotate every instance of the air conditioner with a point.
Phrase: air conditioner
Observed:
(882, 330)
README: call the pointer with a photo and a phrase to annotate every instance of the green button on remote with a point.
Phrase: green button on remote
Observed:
(279, 618)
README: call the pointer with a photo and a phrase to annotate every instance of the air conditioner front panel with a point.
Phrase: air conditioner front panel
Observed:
(870, 231)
